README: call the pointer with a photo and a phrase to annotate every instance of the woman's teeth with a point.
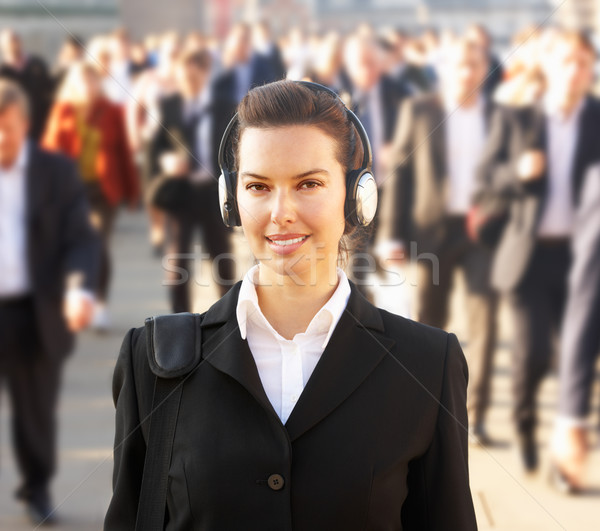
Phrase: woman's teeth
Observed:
(288, 242)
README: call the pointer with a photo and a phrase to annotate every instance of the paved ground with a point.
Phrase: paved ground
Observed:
(504, 498)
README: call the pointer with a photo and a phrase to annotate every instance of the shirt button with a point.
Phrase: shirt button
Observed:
(275, 481)
(294, 398)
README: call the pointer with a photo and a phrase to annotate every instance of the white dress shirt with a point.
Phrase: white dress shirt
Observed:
(563, 132)
(465, 140)
(14, 278)
(285, 365)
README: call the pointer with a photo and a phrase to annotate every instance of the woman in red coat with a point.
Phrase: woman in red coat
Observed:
(87, 127)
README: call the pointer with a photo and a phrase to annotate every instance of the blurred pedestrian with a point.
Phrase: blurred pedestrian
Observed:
(536, 157)
(375, 98)
(580, 344)
(48, 268)
(88, 128)
(31, 72)
(436, 150)
(185, 148)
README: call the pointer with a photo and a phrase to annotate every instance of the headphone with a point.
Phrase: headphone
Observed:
(361, 188)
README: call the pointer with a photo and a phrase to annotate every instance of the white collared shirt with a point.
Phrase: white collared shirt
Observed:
(563, 135)
(465, 140)
(14, 278)
(285, 365)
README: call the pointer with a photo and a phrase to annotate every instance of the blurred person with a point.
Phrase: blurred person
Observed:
(405, 72)
(71, 52)
(48, 269)
(296, 54)
(140, 60)
(478, 34)
(32, 74)
(265, 45)
(523, 78)
(375, 98)
(536, 157)
(193, 120)
(243, 68)
(142, 114)
(437, 146)
(118, 81)
(312, 409)
(327, 64)
(88, 128)
(580, 342)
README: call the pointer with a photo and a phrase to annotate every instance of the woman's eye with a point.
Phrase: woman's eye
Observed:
(310, 184)
(256, 187)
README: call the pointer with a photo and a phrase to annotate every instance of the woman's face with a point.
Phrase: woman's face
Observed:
(291, 191)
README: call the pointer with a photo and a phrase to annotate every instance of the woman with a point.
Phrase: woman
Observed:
(311, 409)
(87, 127)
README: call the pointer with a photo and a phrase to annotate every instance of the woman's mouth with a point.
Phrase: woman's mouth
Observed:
(286, 244)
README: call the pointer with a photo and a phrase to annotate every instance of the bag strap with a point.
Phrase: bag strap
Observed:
(174, 349)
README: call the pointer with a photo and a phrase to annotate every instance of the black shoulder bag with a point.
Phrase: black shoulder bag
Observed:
(174, 348)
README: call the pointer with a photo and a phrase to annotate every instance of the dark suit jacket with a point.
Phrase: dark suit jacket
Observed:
(62, 246)
(376, 441)
(414, 198)
(262, 71)
(514, 131)
(39, 87)
(175, 135)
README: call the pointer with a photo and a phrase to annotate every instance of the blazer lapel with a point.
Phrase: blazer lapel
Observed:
(34, 184)
(355, 348)
(228, 352)
(586, 143)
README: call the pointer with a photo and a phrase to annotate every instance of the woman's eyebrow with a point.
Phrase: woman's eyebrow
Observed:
(299, 176)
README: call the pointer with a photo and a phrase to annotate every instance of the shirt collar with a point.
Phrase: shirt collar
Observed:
(324, 321)
(552, 111)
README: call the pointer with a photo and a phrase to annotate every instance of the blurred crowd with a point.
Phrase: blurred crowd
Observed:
(487, 166)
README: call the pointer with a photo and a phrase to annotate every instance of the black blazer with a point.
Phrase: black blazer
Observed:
(377, 440)
(62, 247)
(414, 198)
(514, 131)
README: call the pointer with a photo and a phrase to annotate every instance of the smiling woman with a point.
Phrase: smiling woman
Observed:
(309, 408)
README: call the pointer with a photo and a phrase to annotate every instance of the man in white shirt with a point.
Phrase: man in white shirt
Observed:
(436, 150)
(537, 156)
(48, 273)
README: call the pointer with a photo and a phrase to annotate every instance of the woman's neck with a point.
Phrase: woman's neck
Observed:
(290, 302)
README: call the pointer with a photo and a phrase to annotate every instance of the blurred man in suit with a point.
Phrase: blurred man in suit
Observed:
(375, 99)
(580, 341)
(194, 119)
(48, 257)
(436, 150)
(32, 74)
(243, 67)
(536, 156)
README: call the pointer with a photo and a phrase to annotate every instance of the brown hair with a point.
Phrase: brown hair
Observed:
(285, 103)
(201, 59)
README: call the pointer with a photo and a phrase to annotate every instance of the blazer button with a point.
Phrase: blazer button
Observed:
(275, 481)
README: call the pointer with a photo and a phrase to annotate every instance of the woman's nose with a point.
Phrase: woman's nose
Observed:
(283, 209)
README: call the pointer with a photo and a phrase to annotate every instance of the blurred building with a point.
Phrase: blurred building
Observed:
(45, 24)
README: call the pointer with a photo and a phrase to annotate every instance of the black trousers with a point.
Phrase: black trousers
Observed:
(434, 287)
(33, 383)
(537, 306)
(203, 214)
